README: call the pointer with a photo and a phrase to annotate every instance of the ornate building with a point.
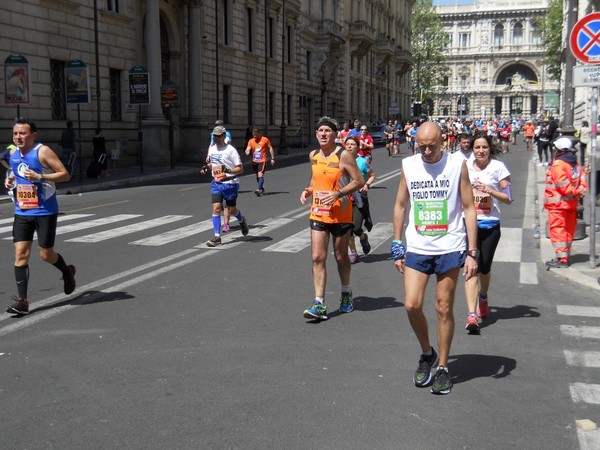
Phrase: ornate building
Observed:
(279, 64)
(494, 59)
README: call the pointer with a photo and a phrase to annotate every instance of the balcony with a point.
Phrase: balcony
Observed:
(362, 31)
(386, 45)
(330, 28)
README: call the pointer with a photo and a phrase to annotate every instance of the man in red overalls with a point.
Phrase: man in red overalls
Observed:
(565, 184)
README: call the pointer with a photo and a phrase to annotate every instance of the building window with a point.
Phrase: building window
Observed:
(116, 112)
(464, 40)
(536, 35)
(308, 65)
(226, 103)
(271, 37)
(250, 29)
(112, 5)
(224, 22)
(463, 82)
(449, 40)
(271, 108)
(57, 84)
(499, 35)
(290, 44)
(289, 110)
(250, 106)
(445, 81)
(517, 34)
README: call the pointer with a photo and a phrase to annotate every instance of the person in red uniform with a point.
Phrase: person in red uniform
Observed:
(366, 144)
(258, 146)
(565, 185)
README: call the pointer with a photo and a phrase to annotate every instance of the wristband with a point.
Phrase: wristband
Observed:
(398, 250)
(226, 169)
(340, 194)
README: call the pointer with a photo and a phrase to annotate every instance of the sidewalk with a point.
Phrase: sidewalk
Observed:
(580, 270)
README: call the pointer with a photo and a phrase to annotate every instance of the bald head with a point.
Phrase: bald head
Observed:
(429, 131)
(429, 142)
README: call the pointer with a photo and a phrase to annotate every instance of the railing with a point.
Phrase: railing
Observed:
(362, 29)
(329, 26)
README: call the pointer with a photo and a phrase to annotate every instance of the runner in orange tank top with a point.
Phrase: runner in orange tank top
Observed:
(330, 214)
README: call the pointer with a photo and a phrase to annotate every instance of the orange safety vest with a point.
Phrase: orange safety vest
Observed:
(564, 185)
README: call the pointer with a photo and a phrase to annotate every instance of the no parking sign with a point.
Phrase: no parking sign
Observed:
(585, 39)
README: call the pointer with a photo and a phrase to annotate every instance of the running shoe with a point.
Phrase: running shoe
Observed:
(365, 244)
(69, 279)
(214, 242)
(346, 302)
(244, 226)
(225, 228)
(20, 307)
(472, 324)
(556, 264)
(422, 376)
(257, 192)
(353, 257)
(316, 311)
(441, 382)
(483, 308)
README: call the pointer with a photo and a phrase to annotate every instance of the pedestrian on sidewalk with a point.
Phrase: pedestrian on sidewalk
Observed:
(35, 170)
(99, 145)
(224, 165)
(334, 178)
(491, 186)
(67, 144)
(258, 146)
(436, 244)
(566, 183)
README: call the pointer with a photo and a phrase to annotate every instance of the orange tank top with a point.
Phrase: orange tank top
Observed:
(326, 177)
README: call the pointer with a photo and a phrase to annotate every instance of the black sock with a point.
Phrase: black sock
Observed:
(22, 277)
(60, 264)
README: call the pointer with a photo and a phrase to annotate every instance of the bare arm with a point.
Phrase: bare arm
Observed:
(49, 159)
(466, 197)
(399, 216)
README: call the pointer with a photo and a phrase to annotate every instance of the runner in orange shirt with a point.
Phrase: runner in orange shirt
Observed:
(258, 146)
(529, 131)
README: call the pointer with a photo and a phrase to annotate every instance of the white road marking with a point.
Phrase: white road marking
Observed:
(528, 273)
(582, 359)
(61, 219)
(586, 393)
(174, 235)
(580, 332)
(509, 247)
(129, 229)
(292, 244)
(95, 223)
(584, 311)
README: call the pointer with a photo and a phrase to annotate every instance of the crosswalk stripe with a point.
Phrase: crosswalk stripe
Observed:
(174, 235)
(509, 247)
(588, 439)
(235, 238)
(292, 244)
(61, 219)
(584, 311)
(580, 332)
(381, 232)
(582, 359)
(583, 392)
(528, 273)
(95, 223)
(129, 229)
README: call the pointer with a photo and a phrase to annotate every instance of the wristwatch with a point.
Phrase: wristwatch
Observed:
(474, 253)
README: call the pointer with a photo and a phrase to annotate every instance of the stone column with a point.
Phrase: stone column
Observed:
(153, 56)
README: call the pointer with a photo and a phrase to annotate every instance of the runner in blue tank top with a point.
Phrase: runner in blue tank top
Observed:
(35, 168)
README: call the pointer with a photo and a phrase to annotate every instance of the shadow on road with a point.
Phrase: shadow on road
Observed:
(464, 368)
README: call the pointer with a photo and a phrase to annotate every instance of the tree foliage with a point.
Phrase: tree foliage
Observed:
(551, 27)
(428, 43)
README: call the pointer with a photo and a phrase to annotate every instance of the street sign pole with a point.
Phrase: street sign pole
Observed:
(592, 183)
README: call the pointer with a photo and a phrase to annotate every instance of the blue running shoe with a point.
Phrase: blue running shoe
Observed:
(316, 311)
(346, 303)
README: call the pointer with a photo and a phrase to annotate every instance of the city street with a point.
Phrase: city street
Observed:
(169, 344)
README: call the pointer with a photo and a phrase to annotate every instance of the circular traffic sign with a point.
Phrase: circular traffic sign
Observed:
(585, 39)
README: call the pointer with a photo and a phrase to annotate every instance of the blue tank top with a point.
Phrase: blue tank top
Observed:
(26, 203)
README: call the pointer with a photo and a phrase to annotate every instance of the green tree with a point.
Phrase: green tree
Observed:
(551, 27)
(428, 43)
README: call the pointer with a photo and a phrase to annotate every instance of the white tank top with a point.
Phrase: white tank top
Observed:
(435, 224)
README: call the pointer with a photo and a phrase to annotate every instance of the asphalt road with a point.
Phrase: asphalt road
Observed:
(169, 344)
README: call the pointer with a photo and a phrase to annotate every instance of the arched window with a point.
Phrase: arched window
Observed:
(535, 35)
(517, 34)
(499, 34)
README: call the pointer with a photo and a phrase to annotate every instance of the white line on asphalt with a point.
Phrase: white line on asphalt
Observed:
(509, 247)
(588, 439)
(580, 332)
(61, 219)
(584, 311)
(582, 359)
(121, 231)
(292, 244)
(95, 223)
(528, 273)
(174, 235)
(587, 393)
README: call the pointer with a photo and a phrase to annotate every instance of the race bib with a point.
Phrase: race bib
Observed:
(257, 155)
(218, 174)
(483, 202)
(431, 217)
(318, 207)
(27, 196)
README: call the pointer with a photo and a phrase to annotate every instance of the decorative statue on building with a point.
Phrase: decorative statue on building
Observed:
(517, 78)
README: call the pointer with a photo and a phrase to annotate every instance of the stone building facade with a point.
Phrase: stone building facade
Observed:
(278, 64)
(494, 59)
